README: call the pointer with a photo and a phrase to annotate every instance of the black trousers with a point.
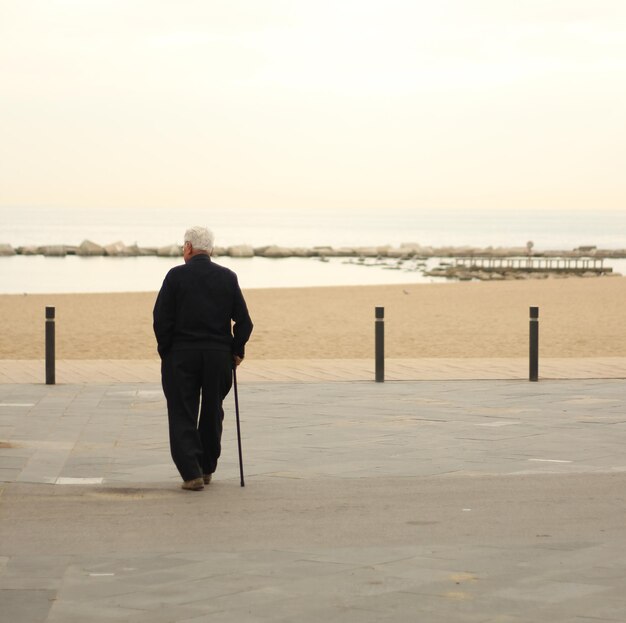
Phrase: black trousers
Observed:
(195, 382)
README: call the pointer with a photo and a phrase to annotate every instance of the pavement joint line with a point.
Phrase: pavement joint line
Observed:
(78, 481)
(550, 461)
(320, 370)
(17, 404)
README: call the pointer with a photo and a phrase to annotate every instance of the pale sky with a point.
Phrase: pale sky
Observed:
(313, 103)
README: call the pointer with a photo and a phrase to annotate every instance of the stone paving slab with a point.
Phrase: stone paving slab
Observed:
(315, 370)
(430, 501)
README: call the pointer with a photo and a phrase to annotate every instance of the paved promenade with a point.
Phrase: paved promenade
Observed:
(430, 501)
(316, 370)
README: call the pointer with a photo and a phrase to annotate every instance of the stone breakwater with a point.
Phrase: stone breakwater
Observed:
(405, 251)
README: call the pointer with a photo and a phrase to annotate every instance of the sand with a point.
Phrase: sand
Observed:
(579, 317)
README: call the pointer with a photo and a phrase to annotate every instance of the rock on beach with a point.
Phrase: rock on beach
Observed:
(242, 250)
(115, 249)
(53, 250)
(89, 248)
(275, 251)
(172, 250)
(28, 250)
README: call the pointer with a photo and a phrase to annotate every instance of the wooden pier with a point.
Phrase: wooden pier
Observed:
(572, 265)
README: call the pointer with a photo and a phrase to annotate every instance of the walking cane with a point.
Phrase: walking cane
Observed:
(243, 484)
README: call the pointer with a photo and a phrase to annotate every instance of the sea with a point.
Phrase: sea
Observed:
(44, 225)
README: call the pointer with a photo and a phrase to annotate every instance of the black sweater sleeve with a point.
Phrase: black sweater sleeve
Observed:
(242, 328)
(164, 317)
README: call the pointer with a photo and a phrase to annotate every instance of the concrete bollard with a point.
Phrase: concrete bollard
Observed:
(533, 374)
(380, 344)
(50, 363)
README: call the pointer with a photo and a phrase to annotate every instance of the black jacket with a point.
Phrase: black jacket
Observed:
(195, 306)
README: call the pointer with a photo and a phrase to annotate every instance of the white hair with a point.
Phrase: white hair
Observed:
(201, 238)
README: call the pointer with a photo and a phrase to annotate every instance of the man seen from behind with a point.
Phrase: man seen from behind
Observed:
(196, 307)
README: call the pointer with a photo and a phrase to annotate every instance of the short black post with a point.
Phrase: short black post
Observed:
(380, 344)
(534, 345)
(50, 376)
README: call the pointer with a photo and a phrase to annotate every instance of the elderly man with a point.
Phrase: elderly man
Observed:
(198, 349)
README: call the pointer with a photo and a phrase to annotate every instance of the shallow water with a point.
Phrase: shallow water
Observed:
(39, 275)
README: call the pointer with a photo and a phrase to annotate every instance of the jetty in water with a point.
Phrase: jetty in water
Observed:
(485, 256)
(489, 267)
(455, 263)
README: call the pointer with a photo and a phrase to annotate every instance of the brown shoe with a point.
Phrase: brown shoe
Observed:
(197, 484)
(207, 478)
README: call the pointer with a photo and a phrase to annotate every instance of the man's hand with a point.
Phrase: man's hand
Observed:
(237, 360)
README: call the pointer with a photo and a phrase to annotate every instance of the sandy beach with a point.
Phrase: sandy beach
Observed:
(578, 318)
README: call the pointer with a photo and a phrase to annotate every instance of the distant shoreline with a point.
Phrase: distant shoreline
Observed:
(404, 251)
(440, 263)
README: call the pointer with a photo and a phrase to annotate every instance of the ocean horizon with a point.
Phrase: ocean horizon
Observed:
(548, 230)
